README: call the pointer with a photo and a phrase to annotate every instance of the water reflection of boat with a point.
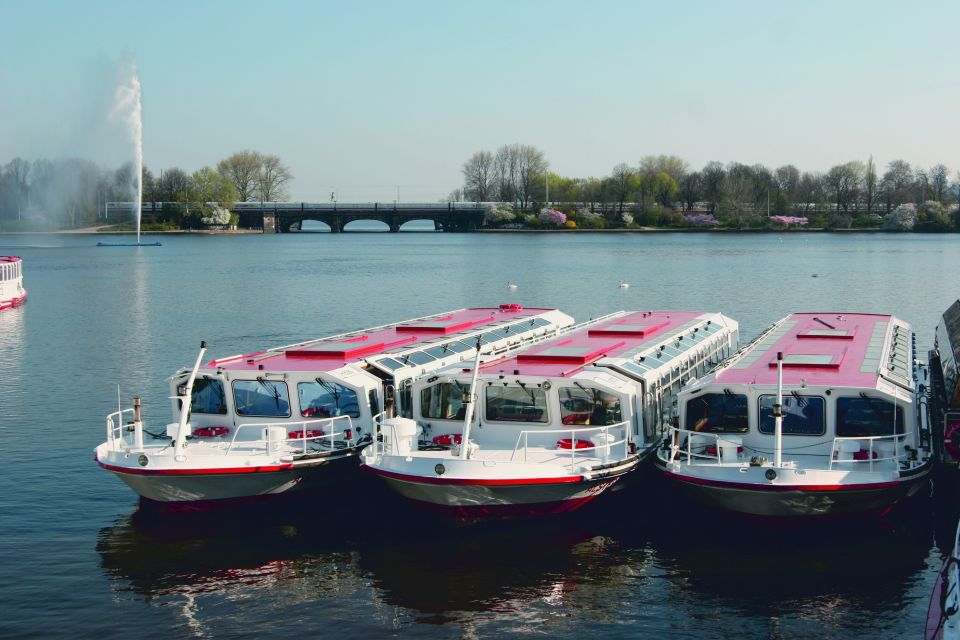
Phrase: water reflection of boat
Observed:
(296, 416)
(553, 426)
(12, 293)
(823, 414)
(497, 570)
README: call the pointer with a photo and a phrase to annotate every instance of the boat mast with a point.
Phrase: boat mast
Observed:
(468, 400)
(778, 413)
(185, 401)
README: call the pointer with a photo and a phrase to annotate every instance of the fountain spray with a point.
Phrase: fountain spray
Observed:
(129, 108)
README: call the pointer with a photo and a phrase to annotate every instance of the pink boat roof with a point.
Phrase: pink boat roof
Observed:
(10, 259)
(568, 354)
(328, 354)
(828, 349)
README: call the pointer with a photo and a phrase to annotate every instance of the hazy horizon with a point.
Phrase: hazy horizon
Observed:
(365, 98)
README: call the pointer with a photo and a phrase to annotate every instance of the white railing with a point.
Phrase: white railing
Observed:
(580, 434)
(872, 452)
(685, 447)
(303, 426)
(115, 428)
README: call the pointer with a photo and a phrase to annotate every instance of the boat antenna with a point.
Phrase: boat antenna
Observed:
(469, 401)
(778, 412)
(185, 405)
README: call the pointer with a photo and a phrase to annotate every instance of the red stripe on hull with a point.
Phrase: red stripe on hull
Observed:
(498, 482)
(196, 472)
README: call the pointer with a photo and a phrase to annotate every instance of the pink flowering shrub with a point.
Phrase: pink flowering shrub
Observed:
(789, 220)
(701, 220)
(552, 216)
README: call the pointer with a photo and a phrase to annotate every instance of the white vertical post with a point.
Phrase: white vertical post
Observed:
(778, 413)
(185, 406)
(470, 400)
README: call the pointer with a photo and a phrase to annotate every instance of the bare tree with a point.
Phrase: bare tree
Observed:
(243, 169)
(939, 181)
(272, 179)
(505, 170)
(479, 177)
(843, 180)
(713, 174)
(530, 166)
(173, 185)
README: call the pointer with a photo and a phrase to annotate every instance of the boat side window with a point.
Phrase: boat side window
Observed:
(261, 397)
(586, 405)
(717, 413)
(866, 416)
(207, 397)
(444, 401)
(323, 399)
(515, 403)
(802, 415)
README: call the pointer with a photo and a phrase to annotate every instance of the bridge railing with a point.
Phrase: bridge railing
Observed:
(314, 206)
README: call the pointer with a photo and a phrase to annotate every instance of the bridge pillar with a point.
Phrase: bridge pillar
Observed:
(335, 223)
(394, 224)
(270, 223)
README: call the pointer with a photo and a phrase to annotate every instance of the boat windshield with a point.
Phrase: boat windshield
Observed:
(444, 401)
(865, 416)
(587, 405)
(207, 396)
(802, 415)
(717, 413)
(261, 397)
(516, 403)
(322, 399)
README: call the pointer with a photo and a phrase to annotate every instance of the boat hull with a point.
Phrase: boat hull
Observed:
(501, 498)
(200, 486)
(13, 302)
(795, 500)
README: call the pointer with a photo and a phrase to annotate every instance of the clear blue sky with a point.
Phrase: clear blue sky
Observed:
(364, 96)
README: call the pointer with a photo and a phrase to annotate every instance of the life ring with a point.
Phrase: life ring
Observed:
(311, 433)
(448, 439)
(951, 439)
(210, 432)
(567, 443)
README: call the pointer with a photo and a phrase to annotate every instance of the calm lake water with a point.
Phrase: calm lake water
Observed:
(81, 558)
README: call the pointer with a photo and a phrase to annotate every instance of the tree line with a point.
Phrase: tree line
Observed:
(73, 192)
(661, 189)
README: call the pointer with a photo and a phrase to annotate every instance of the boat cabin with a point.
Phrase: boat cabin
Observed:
(849, 390)
(12, 292)
(348, 378)
(618, 373)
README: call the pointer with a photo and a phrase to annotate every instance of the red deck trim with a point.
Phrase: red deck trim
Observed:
(195, 472)
(14, 302)
(497, 482)
(749, 486)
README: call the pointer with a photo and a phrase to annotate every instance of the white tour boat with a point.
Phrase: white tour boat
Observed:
(12, 293)
(264, 423)
(551, 427)
(824, 413)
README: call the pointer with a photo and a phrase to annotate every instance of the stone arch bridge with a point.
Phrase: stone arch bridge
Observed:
(286, 217)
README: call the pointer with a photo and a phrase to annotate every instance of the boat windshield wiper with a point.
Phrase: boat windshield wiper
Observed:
(331, 388)
(273, 389)
(533, 398)
(826, 324)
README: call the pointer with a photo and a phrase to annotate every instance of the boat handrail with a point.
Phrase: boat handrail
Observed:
(676, 447)
(115, 431)
(870, 458)
(576, 434)
(302, 440)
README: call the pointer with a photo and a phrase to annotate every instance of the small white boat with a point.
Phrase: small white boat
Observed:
(824, 413)
(12, 293)
(271, 421)
(943, 613)
(555, 425)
